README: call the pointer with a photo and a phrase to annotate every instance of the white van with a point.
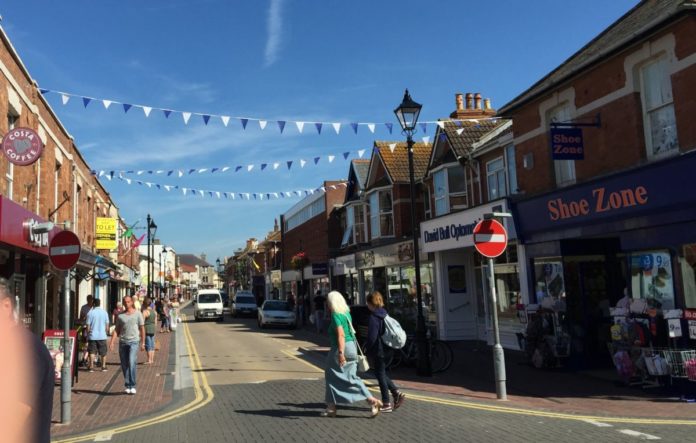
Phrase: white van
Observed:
(208, 304)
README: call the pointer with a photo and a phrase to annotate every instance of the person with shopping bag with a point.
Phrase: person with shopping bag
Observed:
(343, 386)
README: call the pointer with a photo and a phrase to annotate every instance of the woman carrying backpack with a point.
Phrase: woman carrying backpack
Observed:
(374, 349)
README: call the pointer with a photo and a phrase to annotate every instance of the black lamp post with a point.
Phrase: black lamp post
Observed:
(219, 270)
(407, 113)
(151, 231)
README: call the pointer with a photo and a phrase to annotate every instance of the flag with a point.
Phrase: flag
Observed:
(138, 241)
(256, 265)
(129, 231)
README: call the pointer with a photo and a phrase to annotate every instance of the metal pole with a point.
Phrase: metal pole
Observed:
(498, 354)
(149, 274)
(424, 367)
(66, 372)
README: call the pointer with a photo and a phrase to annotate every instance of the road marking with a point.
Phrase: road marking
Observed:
(203, 396)
(599, 424)
(640, 435)
(292, 354)
(257, 382)
(104, 436)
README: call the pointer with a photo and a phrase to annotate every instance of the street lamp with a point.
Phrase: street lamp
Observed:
(407, 113)
(151, 231)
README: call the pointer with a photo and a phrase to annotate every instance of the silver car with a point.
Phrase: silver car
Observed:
(244, 303)
(276, 313)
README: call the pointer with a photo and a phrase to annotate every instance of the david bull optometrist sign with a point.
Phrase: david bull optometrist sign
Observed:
(22, 146)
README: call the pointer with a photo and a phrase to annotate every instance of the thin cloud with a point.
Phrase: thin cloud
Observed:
(275, 29)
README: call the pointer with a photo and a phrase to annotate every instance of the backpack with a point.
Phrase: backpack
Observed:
(394, 335)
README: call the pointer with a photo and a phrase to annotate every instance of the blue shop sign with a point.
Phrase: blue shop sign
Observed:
(320, 268)
(567, 144)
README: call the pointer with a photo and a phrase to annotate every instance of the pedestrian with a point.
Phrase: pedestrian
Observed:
(300, 309)
(26, 377)
(136, 302)
(115, 313)
(97, 330)
(319, 314)
(150, 321)
(163, 314)
(82, 320)
(374, 349)
(130, 328)
(342, 382)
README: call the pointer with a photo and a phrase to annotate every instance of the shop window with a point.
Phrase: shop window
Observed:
(549, 283)
(381, 216)
(495, 174)
(688, 268)
(507, 284)
(658, 109)
(401, 297)
(652, 278)
(564, 169)
(450, 190)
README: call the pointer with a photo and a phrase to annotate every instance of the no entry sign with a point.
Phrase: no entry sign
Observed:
(490, 238)
(64, 250)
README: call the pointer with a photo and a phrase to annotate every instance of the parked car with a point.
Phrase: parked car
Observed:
(208, 304)
(244, 303)
(276, 313)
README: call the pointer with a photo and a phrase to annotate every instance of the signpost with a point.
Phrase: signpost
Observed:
(490, 240)
(64, 252)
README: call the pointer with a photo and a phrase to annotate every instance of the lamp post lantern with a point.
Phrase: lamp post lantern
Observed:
(407, 113)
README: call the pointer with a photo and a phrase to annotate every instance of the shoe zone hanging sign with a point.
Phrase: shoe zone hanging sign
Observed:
(567, 144)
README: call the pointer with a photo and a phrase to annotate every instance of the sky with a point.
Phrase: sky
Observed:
(273, 60)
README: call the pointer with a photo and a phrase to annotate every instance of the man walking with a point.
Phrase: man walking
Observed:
(97, 330)
(130, 327)
(84, 310)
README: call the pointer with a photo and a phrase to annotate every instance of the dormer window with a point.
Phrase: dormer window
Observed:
(450, 190)
(381, 214)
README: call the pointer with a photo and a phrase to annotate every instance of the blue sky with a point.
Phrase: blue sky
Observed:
(288, 60)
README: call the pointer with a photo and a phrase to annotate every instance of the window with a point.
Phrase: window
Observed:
(563, 169)
(310, 211)
(450, 190)
(511, 169)
(658, 109)
(688, 271)
(11, 124)
(652, 278)
(381, 217)
(354, 232)
(56, 184)
(78, 202)
(426, 204)
(495, 173)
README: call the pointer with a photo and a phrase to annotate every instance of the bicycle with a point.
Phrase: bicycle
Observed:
(441, 355)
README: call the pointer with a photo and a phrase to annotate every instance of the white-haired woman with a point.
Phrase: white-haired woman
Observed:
(343, 386)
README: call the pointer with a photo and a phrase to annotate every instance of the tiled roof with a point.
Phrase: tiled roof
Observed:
(396, 162)
(192, 260)
(361, 168)
(638, 20)
(187, 268)
(462, 135)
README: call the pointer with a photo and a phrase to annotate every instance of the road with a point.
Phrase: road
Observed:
(264, 390)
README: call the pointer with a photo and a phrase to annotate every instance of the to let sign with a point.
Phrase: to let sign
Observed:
(567, 144)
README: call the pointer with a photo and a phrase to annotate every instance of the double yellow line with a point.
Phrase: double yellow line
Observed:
(203, 396)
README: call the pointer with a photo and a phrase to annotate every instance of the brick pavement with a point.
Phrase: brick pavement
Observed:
(98, 399)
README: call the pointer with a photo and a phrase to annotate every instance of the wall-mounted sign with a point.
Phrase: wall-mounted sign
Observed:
(320, 268)
(105, 235)
(34, 238)
(567, 144)
(22, 146)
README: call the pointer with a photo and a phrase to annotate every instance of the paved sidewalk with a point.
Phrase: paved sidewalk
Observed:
(598, 393)
(99, 400)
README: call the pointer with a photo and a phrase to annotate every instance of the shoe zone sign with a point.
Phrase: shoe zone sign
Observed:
(567, 144)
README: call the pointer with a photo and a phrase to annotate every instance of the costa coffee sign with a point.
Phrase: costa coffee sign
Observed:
(22, 146)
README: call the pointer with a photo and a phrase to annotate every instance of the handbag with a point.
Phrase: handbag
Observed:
(363, 364)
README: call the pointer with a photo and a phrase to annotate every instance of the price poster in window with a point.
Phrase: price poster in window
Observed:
(692, 329)
(674, 326)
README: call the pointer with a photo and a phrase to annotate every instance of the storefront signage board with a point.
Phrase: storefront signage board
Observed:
(16, 224)
(105, 234)
(320, 269)
(53, 339)
(22, 146)
(567, 144)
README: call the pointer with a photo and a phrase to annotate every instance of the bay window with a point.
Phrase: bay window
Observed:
(450, 190)
(381, 216)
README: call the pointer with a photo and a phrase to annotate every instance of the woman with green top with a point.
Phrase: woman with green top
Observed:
(150, 329)
(342, 382)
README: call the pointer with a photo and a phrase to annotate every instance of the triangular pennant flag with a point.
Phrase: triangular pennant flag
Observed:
(441, 124)
(355, 127)
(209, 192)
(203, 193)
(262, 124)
(260, 196)
(186, 116)
(281, 125)
(263, 166)
(337, 127)
(181, 173)
(237, 169)
(65, 98)
(268, 196)
(275, 194)
(323, 189)
(169, 173)
(202, 170)
(316, 160)
(225, 120)
(225, 169)
(147, 110)
(140, 172)
(128, 181)
(214, 170)
(106, 103)
(289, 162)
(149, 185)
(86, 100)
(139, 182)
(389, 126)
(459, 131)
(392, 146)
(424, 127)
(331, 158)
(289, 194)
(100, 173)
(302, 163)
(300, 126)
(345, 155)
(276, 165)
(361, 153)
(233, 196)
(225, 194)
(168, 188)
(108, 177)
(250, 167)
(111, 174)
(426, 139)
(206, 119)
(244, 122)
(191, 171)
(126, 108)
(159, 187)
(318, 125)
(217, 193)
(167, 112)
(371, 127)
(44, 91)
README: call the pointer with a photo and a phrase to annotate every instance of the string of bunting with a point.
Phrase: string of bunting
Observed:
(244, 121)
(110, 173)
(232, 195)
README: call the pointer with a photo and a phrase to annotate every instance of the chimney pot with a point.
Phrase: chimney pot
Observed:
(469, 100)
(477, 100)
(487, 104)
(459, 101)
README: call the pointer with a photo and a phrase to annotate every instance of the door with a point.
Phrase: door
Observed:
(456, 286)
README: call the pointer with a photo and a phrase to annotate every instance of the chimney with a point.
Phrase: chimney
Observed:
(469, 100)
(275, 222)
(477, 100)
(487, 104)
(203, 256)
(459, 101)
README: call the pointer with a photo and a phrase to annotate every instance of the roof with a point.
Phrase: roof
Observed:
(361, 167)
(187, 268)
(462, 135)
(396, 161)
(192, 260)
(636, 22)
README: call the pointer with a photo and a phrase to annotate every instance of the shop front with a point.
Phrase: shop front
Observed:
(627, 242)
(390, 270)
(346, 278)
(461, 277)
(290, 280)
(316, 279)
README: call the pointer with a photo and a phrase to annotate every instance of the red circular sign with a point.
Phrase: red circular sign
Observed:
(64, 250)
(22, 146)
(490, 238)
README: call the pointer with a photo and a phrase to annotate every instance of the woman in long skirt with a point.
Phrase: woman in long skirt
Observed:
(343, 386)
